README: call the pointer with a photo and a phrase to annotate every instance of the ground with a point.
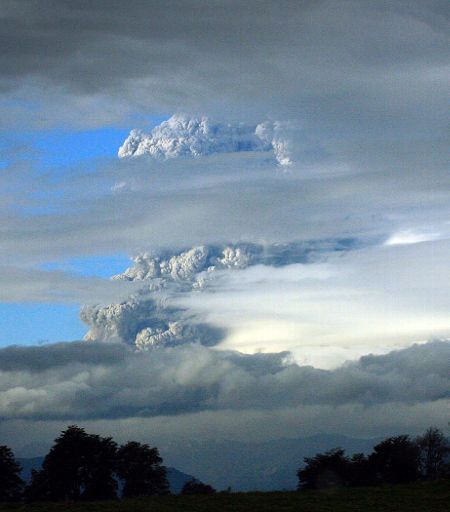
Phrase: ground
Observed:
(422, 497)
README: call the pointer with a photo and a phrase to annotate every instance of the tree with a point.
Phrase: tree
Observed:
(359, 471)
(193, 487)
(139, 466)
(324, 470)
(98, 469)
(11, 485)
(39, 488)
(395, 460)
(433, 450)
(78, 466)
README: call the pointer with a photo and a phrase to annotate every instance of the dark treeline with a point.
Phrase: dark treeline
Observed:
(82, 466)
(88, 467)
(395, 460)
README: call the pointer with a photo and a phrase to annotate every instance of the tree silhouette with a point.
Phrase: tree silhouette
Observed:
(434, 448)
(395, 460)
(193, 487)
(11, 485)
(324, 470)
(359, 470)
(139, 466)
(98, 469)
(78, 466)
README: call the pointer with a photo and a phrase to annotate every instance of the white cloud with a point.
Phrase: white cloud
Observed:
(326, 312)
(412, 237)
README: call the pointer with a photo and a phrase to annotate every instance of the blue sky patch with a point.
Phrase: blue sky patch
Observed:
(59, 147)
(20, 324)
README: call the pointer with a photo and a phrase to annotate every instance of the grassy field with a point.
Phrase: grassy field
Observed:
(422, 497)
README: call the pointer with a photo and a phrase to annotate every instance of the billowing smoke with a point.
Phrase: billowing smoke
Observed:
(147, 323)
(148, 320)
(188, 266)
(184, 136)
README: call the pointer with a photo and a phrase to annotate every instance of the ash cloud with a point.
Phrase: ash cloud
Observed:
(189, 264)
(148, 319)
(182, 135)
(146, 323)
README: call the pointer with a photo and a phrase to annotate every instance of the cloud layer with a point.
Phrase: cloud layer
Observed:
(352, 64)
(83, 381)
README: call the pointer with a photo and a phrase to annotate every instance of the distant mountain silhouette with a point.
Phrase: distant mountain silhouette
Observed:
(247, 466)
(175, 477)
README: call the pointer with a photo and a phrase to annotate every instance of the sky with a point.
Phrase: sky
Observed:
(214, 214)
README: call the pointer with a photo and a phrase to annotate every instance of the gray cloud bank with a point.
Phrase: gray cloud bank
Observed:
(356, 67)
(22, 284)
(101, 381)
(218, 198)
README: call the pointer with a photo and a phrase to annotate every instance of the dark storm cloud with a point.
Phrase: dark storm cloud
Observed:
(110, 381)
(96, 46)
(356, 61)
(40, 359)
